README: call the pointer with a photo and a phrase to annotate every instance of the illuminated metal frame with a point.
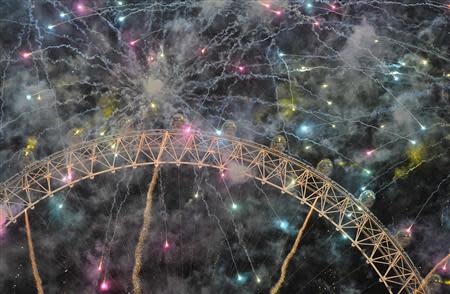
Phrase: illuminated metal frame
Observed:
(108, 154)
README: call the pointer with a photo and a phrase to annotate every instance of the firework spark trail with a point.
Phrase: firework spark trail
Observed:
(146, 223)
(34, 267)
(144, 233)
(212, 215)
(241, 243)
(291, 254)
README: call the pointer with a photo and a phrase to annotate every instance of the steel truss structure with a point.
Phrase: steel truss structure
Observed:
(292, 177)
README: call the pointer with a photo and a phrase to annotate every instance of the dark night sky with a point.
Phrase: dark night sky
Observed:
(363, 83)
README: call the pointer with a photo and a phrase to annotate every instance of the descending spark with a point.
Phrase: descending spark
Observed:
(291, 254)
(37, 278)
(431, 196)
(146, 223)
(144, 233)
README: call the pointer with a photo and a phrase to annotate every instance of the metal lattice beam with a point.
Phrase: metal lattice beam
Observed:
(292, 177)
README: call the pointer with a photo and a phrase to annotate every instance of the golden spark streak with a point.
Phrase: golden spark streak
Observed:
(34, 267)
(291, 254)
(146, 223)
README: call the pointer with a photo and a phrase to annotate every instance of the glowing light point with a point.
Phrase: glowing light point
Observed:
(413, 142)
(396, 78)
(240, 278)
(26, 54)
(424, 62)
(304, 128)
(367, 171)
(382, 126)
(422, 127)
(307, 147)
(316, 23)
(50, 27)
(234, 206)
(67, 178)
(104, 286)
(333, 7)
(444, 267)
(329, 102)
(60, 206)
(376, 41)
(121, 18)
(283, 225)
(153, 105)
(363, 188)
(293, 108)
(28, 97)
(132, 43)
(344, 236)
(265, 5)
(166, 245)
(203, 51)
(370, 152)
(218, 132)
(196, 195)
(278, 12)
(81, 8)
(258, 279)
(333, 126)
(241, 68)
(119, 3)
(324, 86)
(309, 5)
(187, 129)
(62, 15)
(408, 230)
(222, 175)
(281, 54)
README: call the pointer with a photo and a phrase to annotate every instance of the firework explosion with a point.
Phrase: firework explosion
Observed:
(357, 89)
